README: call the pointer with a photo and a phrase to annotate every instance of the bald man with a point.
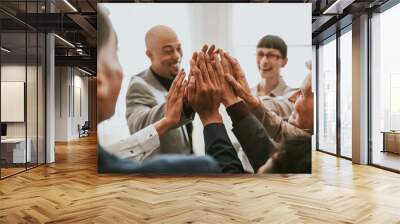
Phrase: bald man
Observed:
(147, 92)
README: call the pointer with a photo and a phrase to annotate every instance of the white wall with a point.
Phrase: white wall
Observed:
(68, 82)
(61, 103)
(16, 73)
(33, 126)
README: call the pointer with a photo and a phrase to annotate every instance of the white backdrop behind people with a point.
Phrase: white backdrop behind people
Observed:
(234, 27)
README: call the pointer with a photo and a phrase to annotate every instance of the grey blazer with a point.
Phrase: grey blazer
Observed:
(145, 101)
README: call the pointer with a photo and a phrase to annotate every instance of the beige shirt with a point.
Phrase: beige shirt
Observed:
(276, 127)
(277, 100)
(282, 89)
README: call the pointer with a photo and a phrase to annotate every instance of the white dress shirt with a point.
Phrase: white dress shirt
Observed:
(137, 146)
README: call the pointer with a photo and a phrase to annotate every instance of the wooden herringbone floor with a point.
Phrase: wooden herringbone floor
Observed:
(70, 191)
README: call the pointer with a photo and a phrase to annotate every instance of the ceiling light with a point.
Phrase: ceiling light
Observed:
(84, 71)
(338, 6)
(80, 51)
(70, 5)
(331, 7)
(64, 40)
(5, 50)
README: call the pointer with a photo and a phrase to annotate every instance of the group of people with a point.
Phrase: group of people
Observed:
(272, 122)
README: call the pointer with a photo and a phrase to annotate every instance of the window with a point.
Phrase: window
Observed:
(385, 88)
(346, 94)
(23, 75)
(327, 97)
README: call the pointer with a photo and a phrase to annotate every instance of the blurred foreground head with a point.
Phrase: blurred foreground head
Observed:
(303, 99)
(109, 70)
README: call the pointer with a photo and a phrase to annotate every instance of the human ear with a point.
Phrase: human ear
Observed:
(149, 54)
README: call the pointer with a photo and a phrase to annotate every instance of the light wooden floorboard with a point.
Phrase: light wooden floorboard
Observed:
(71, 191)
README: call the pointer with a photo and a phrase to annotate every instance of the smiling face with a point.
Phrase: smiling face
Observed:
(269, 62)
(164, 51)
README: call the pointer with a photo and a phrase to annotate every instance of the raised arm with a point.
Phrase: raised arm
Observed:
(204, 95)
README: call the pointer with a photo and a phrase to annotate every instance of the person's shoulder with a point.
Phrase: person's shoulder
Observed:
(138, 83)
(289, 91)
(145, 77)
(139, 76)
(139, 79)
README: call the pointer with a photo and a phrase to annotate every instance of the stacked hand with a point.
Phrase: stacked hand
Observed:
(222, 68)
(203, 91)
(225, 70)
(239, 83)
(174, 104)
(215, 77)
(234, 83)
(212, 51)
